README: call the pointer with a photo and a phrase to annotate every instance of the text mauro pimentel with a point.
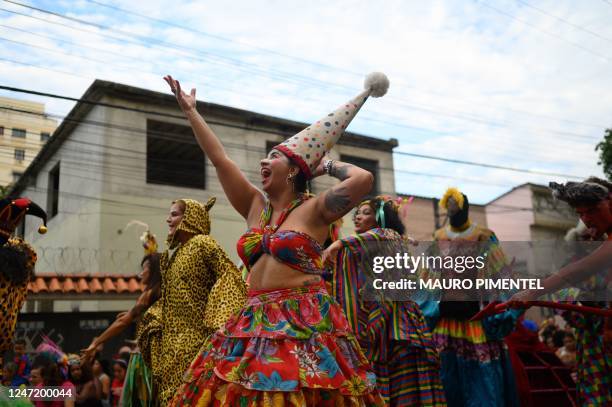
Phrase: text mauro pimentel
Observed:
(455, 264)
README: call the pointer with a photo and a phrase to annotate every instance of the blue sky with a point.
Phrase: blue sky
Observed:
(522, 84)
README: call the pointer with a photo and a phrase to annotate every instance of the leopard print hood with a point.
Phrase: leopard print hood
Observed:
(196, 219)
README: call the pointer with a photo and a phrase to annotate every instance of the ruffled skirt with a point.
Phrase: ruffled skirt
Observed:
(285, 347)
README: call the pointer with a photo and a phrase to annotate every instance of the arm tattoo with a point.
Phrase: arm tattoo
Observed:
(340, 171)
(337, 200)
(310, 281)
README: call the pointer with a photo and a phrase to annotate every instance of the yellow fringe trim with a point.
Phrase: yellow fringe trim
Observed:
(454, 193)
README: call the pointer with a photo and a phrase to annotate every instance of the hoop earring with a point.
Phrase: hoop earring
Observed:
(289, 178)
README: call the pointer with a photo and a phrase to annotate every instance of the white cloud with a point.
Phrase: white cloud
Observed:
(479, 85)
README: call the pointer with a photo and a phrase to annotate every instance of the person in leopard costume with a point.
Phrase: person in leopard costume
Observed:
(201, 289)
(17, 260)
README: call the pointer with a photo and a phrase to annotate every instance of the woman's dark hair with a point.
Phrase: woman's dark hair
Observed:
(122, 360)
(392, 220)
(103, 363)
(600, 181)
(154, 270)
(558, 338)
(10, 367)
(301, 183)
(49, 370)
(86, 374)
(549, 331)
(587, 193)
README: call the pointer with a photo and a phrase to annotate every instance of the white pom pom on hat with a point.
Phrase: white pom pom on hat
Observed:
(310, 145)
(377, 83)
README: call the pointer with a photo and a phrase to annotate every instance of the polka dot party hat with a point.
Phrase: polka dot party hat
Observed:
(310, 145)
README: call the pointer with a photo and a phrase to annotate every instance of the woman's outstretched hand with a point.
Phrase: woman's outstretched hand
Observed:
(185, 101)
(88, 353)
(329, 255)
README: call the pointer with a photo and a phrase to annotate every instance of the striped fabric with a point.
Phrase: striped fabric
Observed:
(413, 380)
(594, 360)
(476, 371)
(394, 335)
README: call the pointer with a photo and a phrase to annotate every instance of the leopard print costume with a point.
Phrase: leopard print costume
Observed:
(14, 253)
(197, 277)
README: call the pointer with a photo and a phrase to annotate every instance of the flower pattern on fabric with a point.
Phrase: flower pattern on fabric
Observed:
(292, 248)
(314, 357)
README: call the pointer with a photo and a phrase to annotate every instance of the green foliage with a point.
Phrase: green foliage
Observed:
(4, 190)
(605, 153)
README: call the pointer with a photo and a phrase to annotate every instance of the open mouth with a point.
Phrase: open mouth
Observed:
(265, 173)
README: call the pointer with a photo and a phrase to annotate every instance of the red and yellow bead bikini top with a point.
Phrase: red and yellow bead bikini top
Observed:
(295, 249)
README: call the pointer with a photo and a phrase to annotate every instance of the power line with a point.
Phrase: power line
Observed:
(237, 64)
(48, 69)
(137, 130)
(456, 161)
(193, 30)
(586, 30)
(187, 52)
(533, 26)
(218, 37)
(167, 136)
(394, 123)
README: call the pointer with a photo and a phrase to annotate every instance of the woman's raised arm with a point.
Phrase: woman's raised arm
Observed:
(337, 201)
(240, 192)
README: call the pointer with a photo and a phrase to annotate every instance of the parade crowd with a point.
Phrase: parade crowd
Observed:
(291, 325)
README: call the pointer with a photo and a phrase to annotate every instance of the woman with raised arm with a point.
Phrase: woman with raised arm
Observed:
(290, 344)
(147, 311)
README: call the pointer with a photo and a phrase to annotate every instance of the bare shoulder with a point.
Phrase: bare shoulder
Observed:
(257, 207)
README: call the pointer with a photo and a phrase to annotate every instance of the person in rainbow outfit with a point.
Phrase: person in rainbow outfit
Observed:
(393, 334)
(476, 369)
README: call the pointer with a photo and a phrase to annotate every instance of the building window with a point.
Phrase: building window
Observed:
(16, 176)
(1, 130)
(19, 133)
(366, 164)
(173, 156)
(270, 145)
(53, 191)
(19, 154)
(44, 137)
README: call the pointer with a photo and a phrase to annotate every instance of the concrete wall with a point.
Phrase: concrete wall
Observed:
(71, 245)
(511, 216)
(103, 186)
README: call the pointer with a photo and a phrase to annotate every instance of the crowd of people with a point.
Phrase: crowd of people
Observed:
(95, 383)
(301, 329)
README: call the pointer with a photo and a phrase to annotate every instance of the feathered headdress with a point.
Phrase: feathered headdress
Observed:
(148, 239)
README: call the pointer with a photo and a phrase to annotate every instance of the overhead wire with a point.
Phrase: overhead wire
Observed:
(461, 116)
(546, 32)
(327, 66)
(575, 26)
(455, 161)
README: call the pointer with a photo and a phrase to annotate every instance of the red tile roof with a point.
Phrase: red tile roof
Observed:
(85, 284)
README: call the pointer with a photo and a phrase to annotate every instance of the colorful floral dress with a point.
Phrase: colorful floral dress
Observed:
(290, 347)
